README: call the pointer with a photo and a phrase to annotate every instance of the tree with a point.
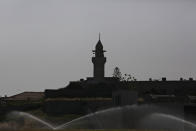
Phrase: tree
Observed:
(125, 77)
(128, 77)
(117, 73)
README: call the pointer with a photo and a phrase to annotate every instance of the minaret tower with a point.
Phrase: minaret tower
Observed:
(99, 61)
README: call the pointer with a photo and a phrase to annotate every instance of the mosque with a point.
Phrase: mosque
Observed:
(100, 92)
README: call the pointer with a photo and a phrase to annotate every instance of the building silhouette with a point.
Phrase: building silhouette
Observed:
(100, 92)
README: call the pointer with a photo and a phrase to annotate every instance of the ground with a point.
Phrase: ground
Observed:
(92, 130)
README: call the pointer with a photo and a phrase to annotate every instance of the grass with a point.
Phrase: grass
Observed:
(91, 130)
(62, 119)
(59, 119)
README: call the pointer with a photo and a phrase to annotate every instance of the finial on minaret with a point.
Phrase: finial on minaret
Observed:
(99, 35)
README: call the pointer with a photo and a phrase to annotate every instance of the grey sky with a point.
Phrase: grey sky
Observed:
(44, 44)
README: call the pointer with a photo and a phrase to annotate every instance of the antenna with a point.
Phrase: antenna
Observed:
(99, 35)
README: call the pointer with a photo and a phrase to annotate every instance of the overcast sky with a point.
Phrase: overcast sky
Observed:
(44, 44)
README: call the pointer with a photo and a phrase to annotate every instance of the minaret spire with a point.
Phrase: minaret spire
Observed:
(99, 35)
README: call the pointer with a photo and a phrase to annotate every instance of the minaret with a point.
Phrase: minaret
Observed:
(99, 61)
